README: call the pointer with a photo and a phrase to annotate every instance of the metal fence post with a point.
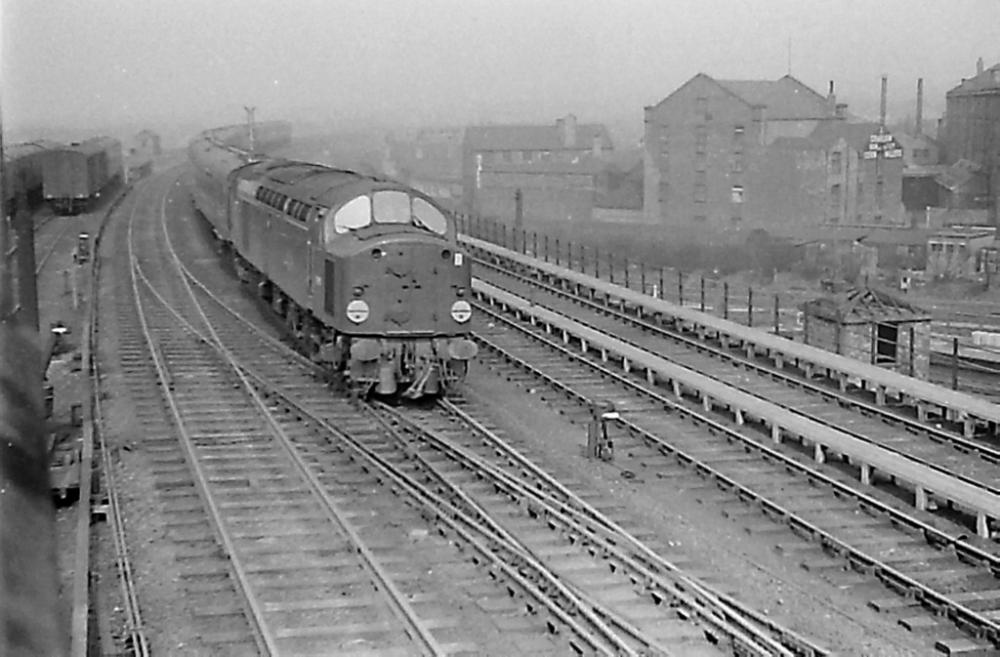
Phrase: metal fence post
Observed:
(777, 316)
(680, 288)
(557, 250)
(597, 262)
(626, 273)
(546, 238)
(725, 299)
(611, 267)
(749, 306)
(534, 243)
(661, 282)
(954, 363)
(642, 275)
(702, 298)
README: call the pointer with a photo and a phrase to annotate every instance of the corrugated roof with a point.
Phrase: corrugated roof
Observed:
(785, 98)
(534, 137)
(988, 80)
(863, 305)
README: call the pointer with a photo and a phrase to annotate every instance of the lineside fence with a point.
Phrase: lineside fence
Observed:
(958, 361)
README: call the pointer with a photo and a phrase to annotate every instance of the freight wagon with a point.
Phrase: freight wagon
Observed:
(76, 175)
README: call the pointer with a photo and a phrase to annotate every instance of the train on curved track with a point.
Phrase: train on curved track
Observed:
(366, 272)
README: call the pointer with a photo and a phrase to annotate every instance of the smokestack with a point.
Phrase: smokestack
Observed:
(881, 109)
(920, 106)
(979, 66)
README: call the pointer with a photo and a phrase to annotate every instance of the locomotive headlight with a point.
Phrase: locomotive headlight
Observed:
(461, 311)
(358, 311)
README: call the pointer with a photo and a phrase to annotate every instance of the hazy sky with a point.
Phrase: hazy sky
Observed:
(458, 61)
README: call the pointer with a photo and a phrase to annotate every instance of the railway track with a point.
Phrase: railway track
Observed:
(270, 570)
(864, 528)
(817, 399)
(518, 559)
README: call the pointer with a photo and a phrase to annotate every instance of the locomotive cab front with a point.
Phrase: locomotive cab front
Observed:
(396, 286)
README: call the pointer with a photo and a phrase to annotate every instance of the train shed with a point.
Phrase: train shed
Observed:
(871, 326)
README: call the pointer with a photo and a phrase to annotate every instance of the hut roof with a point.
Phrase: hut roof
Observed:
(862, 305)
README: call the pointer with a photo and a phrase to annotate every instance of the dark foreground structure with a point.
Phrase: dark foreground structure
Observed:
(30, 623)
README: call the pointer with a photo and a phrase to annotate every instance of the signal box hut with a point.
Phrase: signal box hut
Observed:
(872, 326)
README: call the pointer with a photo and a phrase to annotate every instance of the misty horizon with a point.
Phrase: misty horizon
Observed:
(84, 67)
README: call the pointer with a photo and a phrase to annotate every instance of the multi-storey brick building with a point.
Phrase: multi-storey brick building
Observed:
(725, 154)
(556, 168)
(971, 129)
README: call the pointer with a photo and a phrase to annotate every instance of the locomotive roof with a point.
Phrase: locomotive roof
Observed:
(320, 182)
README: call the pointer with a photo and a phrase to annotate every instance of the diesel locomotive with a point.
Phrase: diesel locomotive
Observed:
(366, 271)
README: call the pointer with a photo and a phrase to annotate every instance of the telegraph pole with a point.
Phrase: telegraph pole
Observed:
(250, 112)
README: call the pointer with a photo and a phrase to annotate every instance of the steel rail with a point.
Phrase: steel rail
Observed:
(959, 442)
(80, 614)
(417, 630)
(703, 603)
(960, 614)
(578, 506)
(266, 642)
(417, 491)
(137, 640)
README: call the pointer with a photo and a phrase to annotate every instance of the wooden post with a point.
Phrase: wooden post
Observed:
(680, 287)
(597, 262)
(661, 282)
(534, 243)
(725, 300)
(642, 275)
(611, 267)
(702, 299)
(557, 250)
(749, 306)
(626, 273)
(546, 237)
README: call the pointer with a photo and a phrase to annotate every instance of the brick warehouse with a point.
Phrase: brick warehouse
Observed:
(971, 131)
(741, 154)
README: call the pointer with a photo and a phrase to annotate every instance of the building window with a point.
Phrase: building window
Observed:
(878, 218)
(700, 218)
(835, 197)
(699, 161)
(835, 162)
(834, 219)
(737, 162)
(700, 140)
(861, 188)
(701, 106)
(735, 219)
(699, 193)
(736, 195)
(738, 132)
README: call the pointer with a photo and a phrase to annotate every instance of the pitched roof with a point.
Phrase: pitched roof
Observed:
(785, 98)
(856, 135)
(862, 305)
(988, 80)
(534, 137)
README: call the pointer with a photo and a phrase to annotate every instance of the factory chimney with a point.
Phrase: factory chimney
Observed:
(831, 101)
(881, 110)
(979, 66)
(920, 106)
